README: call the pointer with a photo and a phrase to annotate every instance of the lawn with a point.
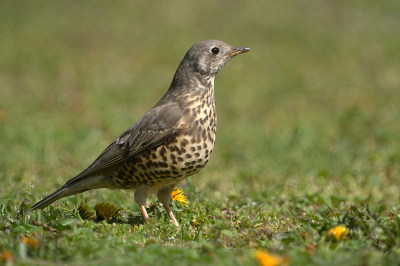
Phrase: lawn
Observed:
(306, 166)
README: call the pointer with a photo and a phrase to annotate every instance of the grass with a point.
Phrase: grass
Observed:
(308, 131)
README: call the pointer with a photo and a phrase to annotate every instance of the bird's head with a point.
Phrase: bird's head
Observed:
(208, 57)
(202, 62)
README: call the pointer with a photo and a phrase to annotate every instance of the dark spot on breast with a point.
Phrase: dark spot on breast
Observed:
(171, 148)
(164, 158)
(141, 175)
(173, 167)
(197, 154)
(162, 151)
(148, 164)
(183, 169)
(174, 162)
(205, 145)
(192, 148)
(190, 167)
(187, 163)
(198, 147)
(180, 159)
(193, 140)
(172, 139)
(175, 172)
(142, 166)
(199, 160)
(183, 150)
(192, 162)
(167, 172)
(206, 156)
(154, 156)
(188, 156)
(199, 166)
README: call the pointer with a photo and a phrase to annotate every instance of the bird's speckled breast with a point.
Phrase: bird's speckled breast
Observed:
(185, 153)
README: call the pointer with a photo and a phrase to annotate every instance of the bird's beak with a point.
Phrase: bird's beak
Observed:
(238, 50)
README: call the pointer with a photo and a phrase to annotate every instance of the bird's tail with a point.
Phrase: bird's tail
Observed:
(79, 186)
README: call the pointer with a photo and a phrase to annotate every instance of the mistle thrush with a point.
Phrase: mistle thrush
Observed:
(172, 141)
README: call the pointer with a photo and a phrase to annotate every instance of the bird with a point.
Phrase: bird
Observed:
(170, 142)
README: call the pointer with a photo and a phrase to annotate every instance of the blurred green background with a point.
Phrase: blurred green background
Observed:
(313, 108)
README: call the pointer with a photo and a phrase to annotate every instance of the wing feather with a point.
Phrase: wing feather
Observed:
(151, 130)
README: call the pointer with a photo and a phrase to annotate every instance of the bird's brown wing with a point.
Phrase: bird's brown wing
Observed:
(151, 130)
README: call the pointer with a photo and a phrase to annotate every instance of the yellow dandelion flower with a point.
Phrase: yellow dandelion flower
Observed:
(6, 256)
(177, 195)
(31, 242)
(266, 259)
(338, 232)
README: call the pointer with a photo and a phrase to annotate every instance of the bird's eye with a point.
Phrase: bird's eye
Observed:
(215, 50)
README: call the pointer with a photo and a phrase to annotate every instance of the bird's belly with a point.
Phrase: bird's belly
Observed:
(181, 156)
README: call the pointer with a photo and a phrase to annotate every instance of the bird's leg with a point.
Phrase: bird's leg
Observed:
(171, 215)
(144, 213)
(164, 196)
(141, 194)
